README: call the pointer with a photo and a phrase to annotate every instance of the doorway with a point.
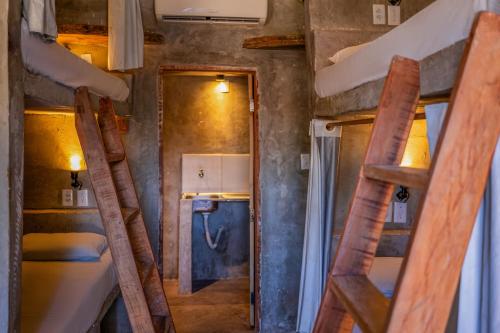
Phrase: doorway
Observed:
(210, 112)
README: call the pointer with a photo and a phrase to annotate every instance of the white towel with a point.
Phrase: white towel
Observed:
(41, 17)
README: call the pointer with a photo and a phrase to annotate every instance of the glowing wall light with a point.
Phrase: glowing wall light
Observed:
(75, 162)
(223, 85)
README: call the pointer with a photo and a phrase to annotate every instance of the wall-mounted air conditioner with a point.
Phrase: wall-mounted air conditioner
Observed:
(212, 11)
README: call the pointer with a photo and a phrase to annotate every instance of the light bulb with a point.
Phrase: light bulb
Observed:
(75, 162)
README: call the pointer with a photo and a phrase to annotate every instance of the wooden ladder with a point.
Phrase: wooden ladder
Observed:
(121, 216)
(453, 188)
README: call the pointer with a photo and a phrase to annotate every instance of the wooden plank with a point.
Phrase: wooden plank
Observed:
(410, 177)
(86, 34)
(366, 217)
(129, 214)
(112, 219)
(459, 172)
(137, 233)
(275, 42)
(115, 157)
(363, 300)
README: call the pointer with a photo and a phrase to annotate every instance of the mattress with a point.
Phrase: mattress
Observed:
(438, 26)
(60, 65)
(65, 296)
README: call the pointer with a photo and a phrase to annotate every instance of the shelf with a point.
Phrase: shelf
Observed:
(85, 34)
(275, 42)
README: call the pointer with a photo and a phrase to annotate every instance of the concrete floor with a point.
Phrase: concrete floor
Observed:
(221, 307)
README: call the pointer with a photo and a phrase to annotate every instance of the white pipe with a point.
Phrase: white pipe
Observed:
(208, 237)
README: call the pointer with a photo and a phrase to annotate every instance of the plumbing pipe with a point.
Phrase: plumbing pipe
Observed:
(208, 237)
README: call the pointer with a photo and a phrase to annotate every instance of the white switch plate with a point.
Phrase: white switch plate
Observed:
(378, 14)
(305, 161)
(82, 198)
(400, 211)
(67, 198)
(388, 216)
(393, 15)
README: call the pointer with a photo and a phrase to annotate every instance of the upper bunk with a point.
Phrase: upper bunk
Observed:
(435, 36)
(52, 72)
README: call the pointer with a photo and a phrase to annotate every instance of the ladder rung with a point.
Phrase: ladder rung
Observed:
(363, 300)
(411, 177)
(115, 157)
(129, 214)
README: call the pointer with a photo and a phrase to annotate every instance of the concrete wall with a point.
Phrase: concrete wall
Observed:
(284, 115)
(197, 120)
(230, 258)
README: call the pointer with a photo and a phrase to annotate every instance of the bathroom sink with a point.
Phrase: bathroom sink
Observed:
(204, 205)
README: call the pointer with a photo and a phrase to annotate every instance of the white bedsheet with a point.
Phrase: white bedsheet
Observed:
(439, 25)
(64, 296)
(60, 65)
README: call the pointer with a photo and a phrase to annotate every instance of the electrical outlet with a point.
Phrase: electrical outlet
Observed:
(378, 14)
(82, 198)
(400, 211)
(388, 216)
(393, 15)
(305, 161)
(67, 198)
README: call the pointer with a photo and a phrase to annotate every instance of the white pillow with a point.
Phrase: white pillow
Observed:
(80, 246)
(346, 53)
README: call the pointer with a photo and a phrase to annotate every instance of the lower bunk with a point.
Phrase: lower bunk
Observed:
(68, 282)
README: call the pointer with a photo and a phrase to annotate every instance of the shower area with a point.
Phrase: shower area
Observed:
(207, 173)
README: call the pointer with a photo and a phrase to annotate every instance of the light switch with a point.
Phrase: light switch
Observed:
(394, 15)
(82, 198)
(305, 161)
(400, 211)
(378, 14)
(388, 216)
(67, 198)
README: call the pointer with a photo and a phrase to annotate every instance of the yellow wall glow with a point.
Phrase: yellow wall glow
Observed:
(417, 153)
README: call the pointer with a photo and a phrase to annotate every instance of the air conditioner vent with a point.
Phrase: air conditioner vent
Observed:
(215, 19)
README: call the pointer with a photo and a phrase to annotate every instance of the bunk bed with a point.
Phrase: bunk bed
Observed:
(435, 36)
(68, 282)
(50, 64)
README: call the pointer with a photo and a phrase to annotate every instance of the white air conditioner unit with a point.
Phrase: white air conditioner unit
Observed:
(212, 11)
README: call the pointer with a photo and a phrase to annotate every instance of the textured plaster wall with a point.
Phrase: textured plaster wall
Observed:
(197, 120)
(284, 115)
(50, 141)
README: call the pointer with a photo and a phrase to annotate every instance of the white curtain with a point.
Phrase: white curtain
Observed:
(126, 35)
(479, 293)
(319, 221)
(41, 17)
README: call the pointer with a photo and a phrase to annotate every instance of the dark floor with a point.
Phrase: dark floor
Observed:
(221, 307)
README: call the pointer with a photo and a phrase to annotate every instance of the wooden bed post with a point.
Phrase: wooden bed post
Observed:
(454, 188)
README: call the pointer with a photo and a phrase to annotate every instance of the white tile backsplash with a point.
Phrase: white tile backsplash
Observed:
(201, 173)
(228, 173)
(235, 173)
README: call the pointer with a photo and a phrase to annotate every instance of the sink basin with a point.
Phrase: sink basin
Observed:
(204, 205)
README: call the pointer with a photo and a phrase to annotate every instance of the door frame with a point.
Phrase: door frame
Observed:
(250, 71)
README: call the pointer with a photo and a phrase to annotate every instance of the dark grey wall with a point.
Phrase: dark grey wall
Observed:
(230, 258)
(197, 120)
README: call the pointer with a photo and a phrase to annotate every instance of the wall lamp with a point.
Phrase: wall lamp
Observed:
(223, 86)
(75, 162)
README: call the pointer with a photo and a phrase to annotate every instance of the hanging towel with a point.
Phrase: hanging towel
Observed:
(41, 17)
(479, 293)
(126, 35)
(316, 255)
